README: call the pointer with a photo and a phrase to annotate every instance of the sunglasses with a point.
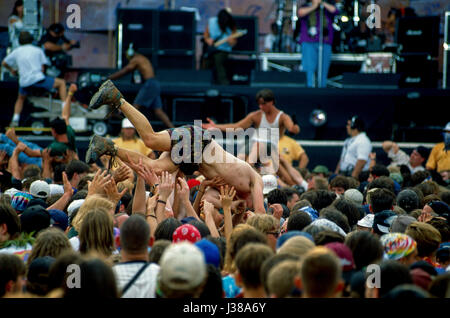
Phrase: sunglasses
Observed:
(276, 234)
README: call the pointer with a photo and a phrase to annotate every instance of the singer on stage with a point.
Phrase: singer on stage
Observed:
(309, 15)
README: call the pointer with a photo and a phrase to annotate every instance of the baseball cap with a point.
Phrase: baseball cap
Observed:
(401, 223)
(344, 253)
(182, 266)
(126, 123)
(20, 201)
(447, 127)
(60, 219)
(397, 245)
(366, 221)
(40, 189)
(408, 200)
(34, 219)
(354, 195)
(210, 251)
(440, 208)
(331, 225)
(74, 206)
(39, 269)
(383, 221)
(270, 183)
(320, 169)
(56, 189)
(186, 232)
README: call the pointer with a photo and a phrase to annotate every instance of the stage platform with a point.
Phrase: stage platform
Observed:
(405, 115)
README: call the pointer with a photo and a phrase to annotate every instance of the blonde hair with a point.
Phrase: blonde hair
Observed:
(49, 242)
(92, 202)
(280, 281)
(298, 246)
(264, 223)
(229, 262)
(97, 233)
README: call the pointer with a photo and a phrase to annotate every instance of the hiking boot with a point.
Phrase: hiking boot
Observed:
(107, 94)
(99, 146)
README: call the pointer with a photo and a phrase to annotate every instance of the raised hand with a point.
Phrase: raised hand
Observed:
(183, 189)
(277, 210)
(97, 185)
(67, 186)
(210, 124)
(121, 174)
(73, 88)
(111, 191)
(166, 186)
(20, 147)
(226, 196)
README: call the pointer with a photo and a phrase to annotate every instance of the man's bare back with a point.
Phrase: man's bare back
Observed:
(143, 65)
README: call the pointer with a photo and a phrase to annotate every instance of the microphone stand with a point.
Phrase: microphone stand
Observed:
(320, 62)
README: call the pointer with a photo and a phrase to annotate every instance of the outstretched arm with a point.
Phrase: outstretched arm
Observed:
(68, 103)
(244, 123)
(289, 124)
(257, 196)
(127, 69)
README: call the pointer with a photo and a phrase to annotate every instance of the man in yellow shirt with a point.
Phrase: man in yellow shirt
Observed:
(439, 158)
(291, 151)
(130, 141)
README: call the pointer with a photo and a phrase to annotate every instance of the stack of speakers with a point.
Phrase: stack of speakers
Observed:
(418, 40)
(167, 38)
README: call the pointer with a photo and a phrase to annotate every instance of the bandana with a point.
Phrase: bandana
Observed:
(186, 232)
(397, 245)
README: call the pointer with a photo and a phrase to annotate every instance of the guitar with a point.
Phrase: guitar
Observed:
(209, 50)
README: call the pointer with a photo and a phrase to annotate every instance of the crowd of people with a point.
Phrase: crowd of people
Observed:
(134, 222)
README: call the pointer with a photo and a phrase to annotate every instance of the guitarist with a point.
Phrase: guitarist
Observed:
(218, 28)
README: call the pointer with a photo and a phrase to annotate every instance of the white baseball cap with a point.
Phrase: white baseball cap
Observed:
(40, 189)
(126, 123)
(270, 183)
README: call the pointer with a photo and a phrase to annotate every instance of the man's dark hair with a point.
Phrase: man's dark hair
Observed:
(32, 171)
(225, 20)
(290, 192)
(165, 229)
(381, 200)
(336, 216)
(328, 236)
(9, 217)
(349, 209)
(357, 123)
(270, 263)
(382, 183)
(340, 181)
(157, 250)
(213, 288)
(392, 275)
(57, 172)
(408, 200)
(201, 227)
(25, 38)
(59, 125)
(298, 220)
(379, 170)
(419, 177)
(56, 27)
(77, 166)
(319, 198)
(277, 196)
(266, 94)
(428, 188)
(11, 268)
(251, 235)
(442, 226)
(445, 196)
(135, 234)
(366, 248)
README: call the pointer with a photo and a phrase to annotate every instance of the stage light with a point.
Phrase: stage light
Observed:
(318, 118)
(344, 19)
(446, 46)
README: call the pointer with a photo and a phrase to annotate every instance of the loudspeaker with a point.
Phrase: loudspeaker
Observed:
(247, 44)
(176, 30)
(239, 70)
(278, 79)
(418, 35)
(418, 71)
(176, 59)
(137, 26)
(371, 80)
(193, 77)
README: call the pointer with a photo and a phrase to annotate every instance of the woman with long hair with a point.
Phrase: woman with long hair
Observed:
(15, 23)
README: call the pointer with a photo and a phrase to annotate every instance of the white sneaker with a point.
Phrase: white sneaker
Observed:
(14, 123)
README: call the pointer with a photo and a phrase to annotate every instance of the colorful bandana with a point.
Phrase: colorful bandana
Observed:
(397, 245)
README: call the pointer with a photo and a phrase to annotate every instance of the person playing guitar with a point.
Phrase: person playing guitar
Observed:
(220, 27)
